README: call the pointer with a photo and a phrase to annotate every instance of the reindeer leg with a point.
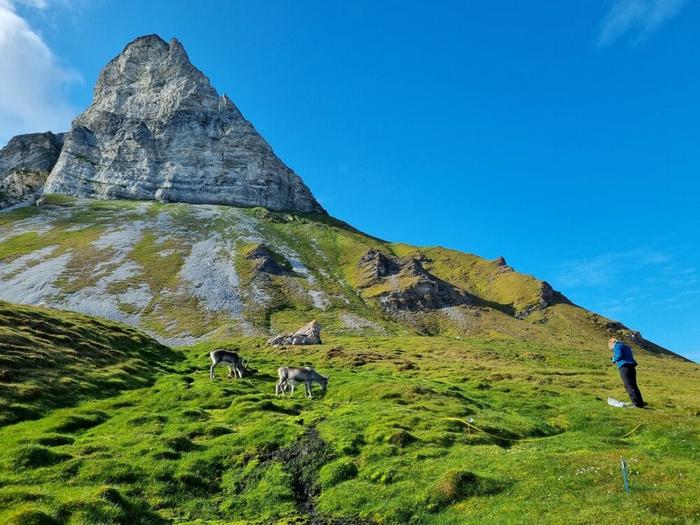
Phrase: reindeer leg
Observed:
(212, 374)
(308, 390)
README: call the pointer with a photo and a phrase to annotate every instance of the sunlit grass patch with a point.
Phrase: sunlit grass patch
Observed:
(484, 430)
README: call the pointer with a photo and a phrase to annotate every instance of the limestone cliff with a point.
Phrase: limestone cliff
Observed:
(157, 129)
(24, 165)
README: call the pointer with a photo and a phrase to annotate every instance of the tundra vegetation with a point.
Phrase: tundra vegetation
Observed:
(462, 391)
(188, 273)
(141, 434)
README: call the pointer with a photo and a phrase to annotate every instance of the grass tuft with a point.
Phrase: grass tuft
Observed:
(32, 517)
(336, 472)
(456, 485)
(35, 456)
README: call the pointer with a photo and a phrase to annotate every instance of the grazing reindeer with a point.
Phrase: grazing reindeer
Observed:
(290, 376)
(236, 365)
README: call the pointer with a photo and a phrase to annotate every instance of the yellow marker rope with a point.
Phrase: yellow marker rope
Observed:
(630, 432)
(470, 426)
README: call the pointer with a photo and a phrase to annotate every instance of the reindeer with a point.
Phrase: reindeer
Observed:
(292, 376)
(236, 365)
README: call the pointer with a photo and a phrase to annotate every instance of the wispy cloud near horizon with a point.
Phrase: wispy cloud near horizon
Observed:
(605, 268)
(33, 91)
(637, 19)
(626, 280)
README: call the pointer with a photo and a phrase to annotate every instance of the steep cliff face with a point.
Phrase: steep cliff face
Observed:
(25, 164)
(157, 129)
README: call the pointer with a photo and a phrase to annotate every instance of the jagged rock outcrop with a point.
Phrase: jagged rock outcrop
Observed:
(25, 163)
(309, 334)
(376, 266)
(546, 296)
(405, 285)
(503, 266)
(624, 333)
(157, 129)
(267, 261)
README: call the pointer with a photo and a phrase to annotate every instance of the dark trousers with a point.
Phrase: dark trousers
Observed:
(628, 373)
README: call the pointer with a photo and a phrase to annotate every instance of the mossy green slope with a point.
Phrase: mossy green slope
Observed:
(181, 273)
(389, 442)
(101, 424)
(51, 358)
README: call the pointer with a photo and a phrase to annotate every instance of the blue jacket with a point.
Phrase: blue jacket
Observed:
(622, 355)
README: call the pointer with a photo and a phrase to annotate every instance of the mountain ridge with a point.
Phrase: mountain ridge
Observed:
(157, 132)
(183, 273)
(460, 391)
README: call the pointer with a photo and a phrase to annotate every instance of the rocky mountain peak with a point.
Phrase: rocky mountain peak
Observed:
(150, 80)
(157, 129)
(25, 162)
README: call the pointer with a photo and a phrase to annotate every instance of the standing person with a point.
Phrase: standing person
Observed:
(623, 358)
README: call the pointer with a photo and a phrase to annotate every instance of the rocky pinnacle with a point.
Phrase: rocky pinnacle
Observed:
(25, 164)
(157, 129)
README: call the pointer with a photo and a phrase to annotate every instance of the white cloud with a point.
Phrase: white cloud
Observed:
(628, 280)
(636, 18)
(36, 4)
(33, 82)
(607, 268)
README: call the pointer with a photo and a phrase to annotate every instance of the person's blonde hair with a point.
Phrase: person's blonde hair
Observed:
(612, 341)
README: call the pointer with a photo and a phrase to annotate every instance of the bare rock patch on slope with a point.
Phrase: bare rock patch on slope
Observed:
(405, 285)
(267, 261)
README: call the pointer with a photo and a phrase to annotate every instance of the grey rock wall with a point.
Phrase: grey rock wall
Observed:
(25, 163)
(157, 129)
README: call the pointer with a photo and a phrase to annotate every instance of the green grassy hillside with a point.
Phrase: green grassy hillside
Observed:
(50, 359)
(389, 442)
(185, 274)
(461, 391)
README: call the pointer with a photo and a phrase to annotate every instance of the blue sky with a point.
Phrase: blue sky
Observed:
(562, 135)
